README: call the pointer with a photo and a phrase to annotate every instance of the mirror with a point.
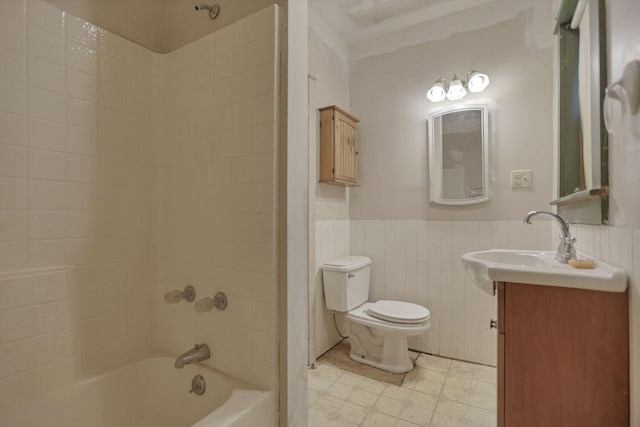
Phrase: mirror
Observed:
(458, 155)
(583, 160)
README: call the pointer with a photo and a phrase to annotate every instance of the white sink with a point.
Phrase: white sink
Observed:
(539, 268)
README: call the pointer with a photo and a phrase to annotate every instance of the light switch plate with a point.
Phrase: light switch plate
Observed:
(522, 179)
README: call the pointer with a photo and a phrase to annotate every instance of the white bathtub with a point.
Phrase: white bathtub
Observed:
(148, 392)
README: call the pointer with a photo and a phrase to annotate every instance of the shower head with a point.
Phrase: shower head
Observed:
(213, 9)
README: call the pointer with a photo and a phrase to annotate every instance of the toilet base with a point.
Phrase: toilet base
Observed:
(382, 351)
(395, 369)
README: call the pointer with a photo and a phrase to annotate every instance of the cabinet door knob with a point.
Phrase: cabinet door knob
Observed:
(493, 324)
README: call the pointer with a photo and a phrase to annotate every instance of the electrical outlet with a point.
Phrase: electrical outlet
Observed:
(522, 179)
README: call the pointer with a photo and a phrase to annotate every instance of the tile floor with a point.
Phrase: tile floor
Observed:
(439, 392)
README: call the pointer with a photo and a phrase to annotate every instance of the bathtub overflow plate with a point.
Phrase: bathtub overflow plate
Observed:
(198, 385)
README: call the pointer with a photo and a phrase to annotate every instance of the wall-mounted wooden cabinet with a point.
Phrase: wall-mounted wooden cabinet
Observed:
(338, 147)
(563, 357)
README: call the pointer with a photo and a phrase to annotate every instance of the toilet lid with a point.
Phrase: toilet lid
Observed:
(399, 312)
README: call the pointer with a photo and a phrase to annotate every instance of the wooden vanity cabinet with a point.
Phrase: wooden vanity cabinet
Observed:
(563, 357)
(338, 147)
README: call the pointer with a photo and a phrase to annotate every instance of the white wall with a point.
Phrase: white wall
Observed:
(76, 165)
(619, 244)
(294, 221)
(416, 245)
(217, 196)
(388, 95)
(329, 85)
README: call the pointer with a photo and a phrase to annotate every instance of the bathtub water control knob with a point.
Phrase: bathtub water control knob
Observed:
(219, 301)
(198, 385)
(188, 294)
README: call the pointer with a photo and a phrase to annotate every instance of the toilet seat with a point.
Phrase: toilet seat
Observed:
(362, 315)
(399, 312)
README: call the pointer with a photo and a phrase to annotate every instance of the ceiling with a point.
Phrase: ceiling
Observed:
(357, 20)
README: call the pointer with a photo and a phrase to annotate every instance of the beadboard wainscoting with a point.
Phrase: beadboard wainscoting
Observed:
(332, 241)
(614, 245)
(419, 261)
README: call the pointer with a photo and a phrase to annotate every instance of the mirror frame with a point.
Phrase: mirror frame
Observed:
(435, 159)
(587, 205)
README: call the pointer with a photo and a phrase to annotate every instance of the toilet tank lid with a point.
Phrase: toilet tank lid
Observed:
(347, 263)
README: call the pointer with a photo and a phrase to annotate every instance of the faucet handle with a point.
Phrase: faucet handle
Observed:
(188, 294)
(219, 301)
(205, 304)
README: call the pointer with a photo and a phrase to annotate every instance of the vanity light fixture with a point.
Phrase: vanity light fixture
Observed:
(477, 81)
(457, 89)
(438, 91)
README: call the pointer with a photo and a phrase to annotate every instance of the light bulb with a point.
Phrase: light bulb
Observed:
(438, 91)
(477, 82)
(456, 89)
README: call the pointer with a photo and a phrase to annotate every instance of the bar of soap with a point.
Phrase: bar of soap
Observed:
(580, 263)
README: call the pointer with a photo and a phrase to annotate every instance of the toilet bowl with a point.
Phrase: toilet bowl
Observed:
(377, 331)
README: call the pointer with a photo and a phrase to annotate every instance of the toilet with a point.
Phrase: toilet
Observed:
(377, 331)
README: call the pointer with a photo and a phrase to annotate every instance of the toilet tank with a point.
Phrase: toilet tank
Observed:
(346, 282)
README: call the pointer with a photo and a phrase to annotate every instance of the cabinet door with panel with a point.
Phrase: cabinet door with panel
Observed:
(338, 146)
(563, 357)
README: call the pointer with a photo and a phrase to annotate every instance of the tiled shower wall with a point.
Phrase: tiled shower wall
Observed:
(419, 261)
(216, 195)
(93, 167)
(75, 168)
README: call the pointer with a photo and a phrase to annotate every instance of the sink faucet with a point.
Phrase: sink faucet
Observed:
(566, 250)
(198, 353)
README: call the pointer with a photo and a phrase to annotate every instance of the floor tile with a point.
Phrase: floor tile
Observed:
(403, 423)
(433, 362)
(473, 371)
(388, 406)
(312, 396)
(376, 419)
(417, 414)
(321, 378)
(329, 411)
(362, 383)
(396, 392)
(425, 380)
(353, 413)
(438, 393)
(470, 392)
(454, 414)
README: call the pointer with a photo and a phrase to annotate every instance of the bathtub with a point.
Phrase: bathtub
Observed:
(149, 392)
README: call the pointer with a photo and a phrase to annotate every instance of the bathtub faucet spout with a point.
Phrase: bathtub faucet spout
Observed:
(198, 353)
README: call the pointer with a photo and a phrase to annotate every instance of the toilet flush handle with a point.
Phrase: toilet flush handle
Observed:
(351, 275)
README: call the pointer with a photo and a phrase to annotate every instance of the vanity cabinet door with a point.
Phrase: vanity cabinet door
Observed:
(501, 348)
(565, 358)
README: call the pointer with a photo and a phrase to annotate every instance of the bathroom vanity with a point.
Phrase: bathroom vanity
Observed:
(563, 356)
(563, 338)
